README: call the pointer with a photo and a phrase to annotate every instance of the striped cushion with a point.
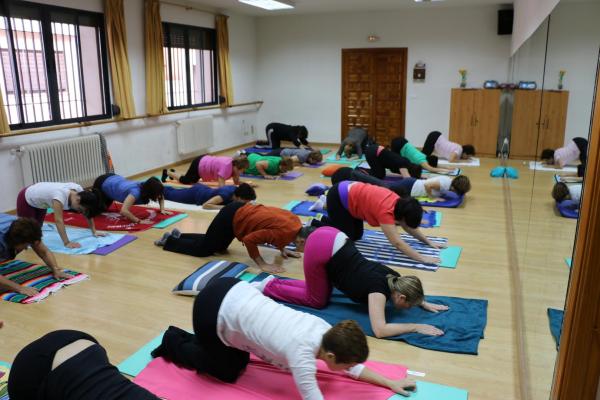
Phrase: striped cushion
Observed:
(198, 280)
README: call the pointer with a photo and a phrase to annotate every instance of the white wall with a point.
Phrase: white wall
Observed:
(140, 145)
(299, 63)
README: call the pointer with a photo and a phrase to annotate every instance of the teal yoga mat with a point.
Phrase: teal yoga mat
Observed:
(170, 221)
(434, 391)
(343, 160)
(135, 363)
(450, 256)
(569, 262)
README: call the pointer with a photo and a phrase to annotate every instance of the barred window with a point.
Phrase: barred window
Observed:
(190, 66)
(53, 67)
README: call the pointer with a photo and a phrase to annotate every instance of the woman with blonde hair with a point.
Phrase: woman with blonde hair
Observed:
(331, 260)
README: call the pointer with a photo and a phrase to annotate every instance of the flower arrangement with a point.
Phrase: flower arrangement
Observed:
(463, 77)
(561, 75)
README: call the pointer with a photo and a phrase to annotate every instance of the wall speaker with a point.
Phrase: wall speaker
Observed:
(505, 22)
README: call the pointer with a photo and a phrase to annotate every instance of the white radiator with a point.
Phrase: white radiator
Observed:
(77, 160)
(194, 135)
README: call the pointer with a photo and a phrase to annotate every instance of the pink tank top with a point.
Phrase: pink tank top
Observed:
(211, 168)
(444, 148)
(566, 155)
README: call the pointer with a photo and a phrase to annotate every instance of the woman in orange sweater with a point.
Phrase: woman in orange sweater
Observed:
(252, 225)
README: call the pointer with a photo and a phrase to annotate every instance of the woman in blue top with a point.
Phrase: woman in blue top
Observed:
(210, 198)
(116, 188)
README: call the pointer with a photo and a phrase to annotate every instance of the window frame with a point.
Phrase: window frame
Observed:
(214, 81)
(50, 63)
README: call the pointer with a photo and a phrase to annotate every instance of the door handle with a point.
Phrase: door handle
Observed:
(547, 123)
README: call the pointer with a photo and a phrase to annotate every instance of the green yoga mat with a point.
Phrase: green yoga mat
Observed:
(450, 256)
(135, 363)
(433, 391)
(325, 151)
(170, 221)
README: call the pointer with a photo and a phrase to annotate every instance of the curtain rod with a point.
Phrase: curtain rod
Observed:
(188, 7)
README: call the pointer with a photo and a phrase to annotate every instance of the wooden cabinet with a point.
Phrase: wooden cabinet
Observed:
(475, 118)
(539, 120)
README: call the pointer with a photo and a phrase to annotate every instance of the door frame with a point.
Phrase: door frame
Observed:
(404, 52)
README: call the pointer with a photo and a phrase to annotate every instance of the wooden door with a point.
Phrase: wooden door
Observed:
(374, 92)
(486, 121)
(462, 115)
(554, 120)
(525, 123)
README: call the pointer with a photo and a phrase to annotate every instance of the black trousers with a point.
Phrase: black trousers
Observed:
(191, 176)
(397, 144)
(386, 159)
(582, 145)
(429, 145)
(204, 351)
(106, 201)
(355, 175)
(340, 218)
(217, 238)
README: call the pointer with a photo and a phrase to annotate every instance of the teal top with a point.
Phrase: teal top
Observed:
(413, 154)
(272, 168)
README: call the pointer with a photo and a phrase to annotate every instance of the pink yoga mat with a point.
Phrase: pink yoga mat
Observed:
(260, 381)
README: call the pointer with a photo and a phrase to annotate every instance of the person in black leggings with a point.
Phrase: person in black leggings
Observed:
(380, 159)
(42, 372)
(277, 132)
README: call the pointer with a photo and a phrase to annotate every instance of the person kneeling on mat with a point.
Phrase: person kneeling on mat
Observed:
(353, 143)
(232, 319)
(379, 159)
(568, 195)
(269, 167)
(69, 365)
(349, 204)
(331, 260)
(253, 225)
(298, 156)
(453, 152)
(16, 235)
(403, 147)
(210, 198)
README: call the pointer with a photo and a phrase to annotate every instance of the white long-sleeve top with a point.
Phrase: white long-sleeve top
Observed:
(284, 337)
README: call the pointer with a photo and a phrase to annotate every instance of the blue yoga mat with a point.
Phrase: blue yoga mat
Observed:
(556, 320)
(450, 203)
(89, 243)
(567, 210)
(463, 324)
(262, 150)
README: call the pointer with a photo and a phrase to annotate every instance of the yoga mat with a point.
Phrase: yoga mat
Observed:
(463, 324)
(135, 363)
(289, 176)
(566, 210)
(35, 276)
(4, 371)
(434, 391)
(539, 166)
(449, 203)
(431, 219)
(569, 262)
(106, 250)
(111, 220)
(260, 381)
(343, 160)
(89, 243)
(264, 150)
(556, 320)
(567, 179)
(170, 221)
(365, 165)
(473, 162)
(455, 172)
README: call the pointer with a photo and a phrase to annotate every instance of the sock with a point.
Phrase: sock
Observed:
(161, 242)
(319, 204)
(261, 285)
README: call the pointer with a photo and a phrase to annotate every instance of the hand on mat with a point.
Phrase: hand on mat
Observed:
(28, 291)
(72, 245)
(431, 260)
(403, 387)
(60, 274)
(146, 221)
(100, 234)
(439, 245)
(428, 330)
(434, 308)
(285, 253)
(272, 268)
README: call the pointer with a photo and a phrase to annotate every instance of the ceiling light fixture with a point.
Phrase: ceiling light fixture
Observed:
(269, 4)
(426, 1)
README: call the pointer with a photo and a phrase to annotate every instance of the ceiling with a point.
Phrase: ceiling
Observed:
(329, 6)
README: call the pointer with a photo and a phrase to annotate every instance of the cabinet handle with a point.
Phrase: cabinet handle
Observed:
(547, 123)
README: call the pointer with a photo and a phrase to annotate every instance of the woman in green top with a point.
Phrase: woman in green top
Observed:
(401, 146)
(268, 166)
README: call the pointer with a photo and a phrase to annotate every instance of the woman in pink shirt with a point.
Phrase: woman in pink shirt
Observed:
(576, 149)
(442, 147)
(210, 169)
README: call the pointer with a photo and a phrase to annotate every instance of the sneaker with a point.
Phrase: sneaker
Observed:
(161, 242)
(319, 204)
(262, 284)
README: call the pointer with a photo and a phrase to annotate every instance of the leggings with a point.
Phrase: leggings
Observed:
(397, 144)
(26, 211)
(339, 217)
(191, 176)
(204, 351)
(88, 374)
(217, 238)
(401, 187)
(315, 290)
(385, 159)
(430, 142)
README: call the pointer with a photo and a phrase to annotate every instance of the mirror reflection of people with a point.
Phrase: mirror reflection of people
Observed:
(575, 150)
(568, 195)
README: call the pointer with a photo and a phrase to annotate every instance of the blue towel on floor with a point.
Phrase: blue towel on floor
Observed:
(556, 320)
(89, 243)
(463, 324)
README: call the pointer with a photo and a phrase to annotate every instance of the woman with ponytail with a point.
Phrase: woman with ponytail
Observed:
(332, 260)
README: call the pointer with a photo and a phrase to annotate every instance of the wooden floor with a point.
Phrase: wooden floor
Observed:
(128, 300)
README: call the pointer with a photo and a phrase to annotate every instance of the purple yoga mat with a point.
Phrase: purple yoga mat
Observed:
(290, 176)
(103, 251)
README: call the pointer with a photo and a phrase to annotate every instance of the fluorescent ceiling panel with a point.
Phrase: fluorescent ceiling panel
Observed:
(268, 4)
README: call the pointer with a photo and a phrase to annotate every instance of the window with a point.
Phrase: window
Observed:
(190, 66)
(53, 67)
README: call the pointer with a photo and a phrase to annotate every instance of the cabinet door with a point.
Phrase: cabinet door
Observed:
(462, 115)
(554, 119)
(486, 122)
(525, 123)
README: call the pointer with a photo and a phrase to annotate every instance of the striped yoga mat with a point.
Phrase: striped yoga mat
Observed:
(4, 372)
(35, 276)
(205, 274)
